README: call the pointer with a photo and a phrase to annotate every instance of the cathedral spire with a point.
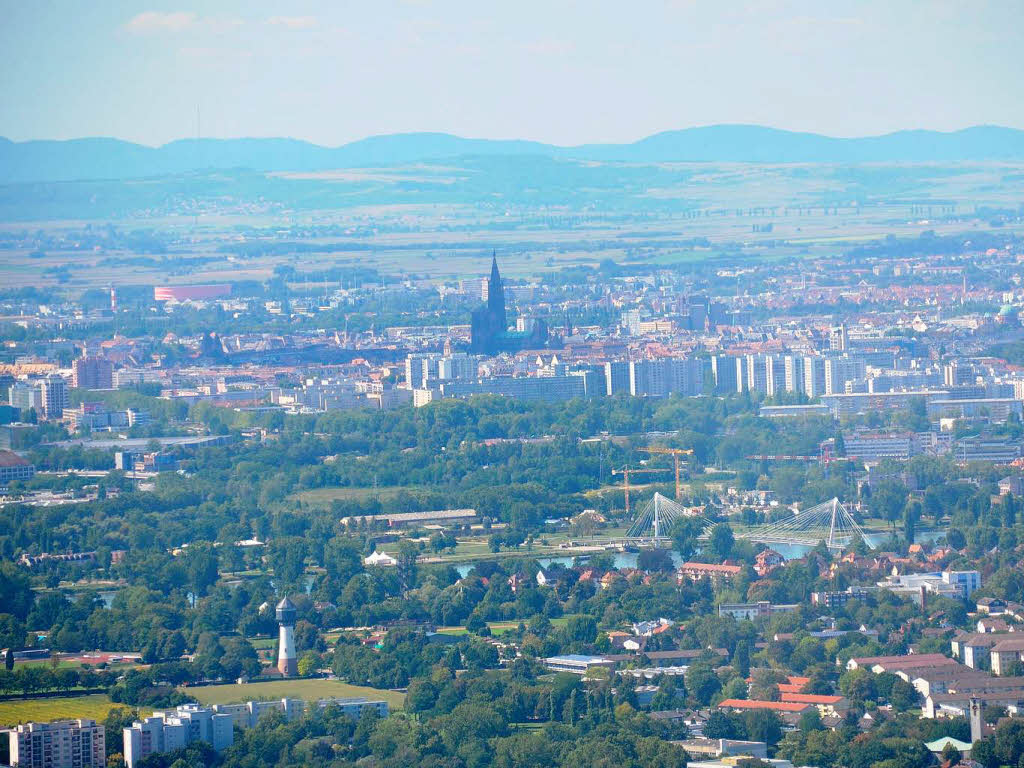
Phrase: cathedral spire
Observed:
(489, 333)
(496, 297)
(495, 275)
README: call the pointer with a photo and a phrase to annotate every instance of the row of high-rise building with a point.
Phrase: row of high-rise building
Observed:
(559, 381)
(47, 396)
(165, 731)
(656, 378)
(767, 374)
(424, 370)
(82, 743)
(815, 375)
(176, 729)
(772, 374)
(432, 376)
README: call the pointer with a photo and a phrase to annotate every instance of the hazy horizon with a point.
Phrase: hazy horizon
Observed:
(565, 74)
(244, 137)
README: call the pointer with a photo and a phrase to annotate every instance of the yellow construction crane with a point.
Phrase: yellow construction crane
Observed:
(626, 472)
(676, 453)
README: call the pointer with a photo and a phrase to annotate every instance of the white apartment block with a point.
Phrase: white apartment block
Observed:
(814, 376)
(55, 396)
(174, 729)
(247, 714)
(60, 744)
(873, 446)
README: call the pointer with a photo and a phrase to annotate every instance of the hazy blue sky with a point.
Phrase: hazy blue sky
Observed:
(563, 72)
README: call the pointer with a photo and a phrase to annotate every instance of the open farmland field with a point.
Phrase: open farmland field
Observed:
(429, 223)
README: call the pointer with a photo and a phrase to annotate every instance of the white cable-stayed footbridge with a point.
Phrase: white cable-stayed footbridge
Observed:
(656, 517)
(828, 522)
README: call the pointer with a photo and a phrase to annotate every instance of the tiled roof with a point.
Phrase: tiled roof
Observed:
(777, 706)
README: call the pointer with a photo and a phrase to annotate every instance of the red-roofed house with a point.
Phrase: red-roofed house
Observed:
(827, 705)
(609, 579)
(879, 664)
(793, 684)
(743, 705)
(713, 571)
(767, 561)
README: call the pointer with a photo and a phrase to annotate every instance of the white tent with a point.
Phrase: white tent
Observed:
(380, 558)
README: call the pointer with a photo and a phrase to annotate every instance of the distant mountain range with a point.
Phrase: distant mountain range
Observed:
(100, 158)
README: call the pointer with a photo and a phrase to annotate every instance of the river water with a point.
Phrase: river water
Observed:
(788, 551)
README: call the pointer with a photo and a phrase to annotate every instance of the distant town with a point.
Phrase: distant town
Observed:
(745, 512)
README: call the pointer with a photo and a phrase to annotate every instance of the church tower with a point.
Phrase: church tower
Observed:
(496, 298)
(488, 328)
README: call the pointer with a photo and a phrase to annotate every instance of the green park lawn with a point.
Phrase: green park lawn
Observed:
(499, 627)
(95, 706)
(322, 497)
